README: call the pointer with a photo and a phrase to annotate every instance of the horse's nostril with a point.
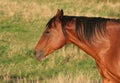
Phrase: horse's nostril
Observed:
(39, 55)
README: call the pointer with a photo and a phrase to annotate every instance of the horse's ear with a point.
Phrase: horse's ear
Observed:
(59, 14)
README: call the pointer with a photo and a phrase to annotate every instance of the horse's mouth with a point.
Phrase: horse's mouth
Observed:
(39, 56)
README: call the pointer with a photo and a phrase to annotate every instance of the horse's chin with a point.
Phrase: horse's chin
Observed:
(40, 58)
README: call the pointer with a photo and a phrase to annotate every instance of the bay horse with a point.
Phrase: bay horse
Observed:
(99, 37)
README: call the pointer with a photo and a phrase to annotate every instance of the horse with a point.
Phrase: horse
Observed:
(97, 36)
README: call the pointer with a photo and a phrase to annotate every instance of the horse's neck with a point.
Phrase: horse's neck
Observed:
(81, 44)
(85, 47)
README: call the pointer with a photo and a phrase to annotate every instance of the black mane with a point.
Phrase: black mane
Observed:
(90, 27)
(85, 27)
(49, 24)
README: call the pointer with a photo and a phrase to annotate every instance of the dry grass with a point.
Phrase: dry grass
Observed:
(79, 78)
(30, 10)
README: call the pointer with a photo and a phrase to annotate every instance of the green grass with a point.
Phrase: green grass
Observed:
(21, 25)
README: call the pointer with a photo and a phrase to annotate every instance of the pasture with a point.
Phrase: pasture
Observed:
(21, 25)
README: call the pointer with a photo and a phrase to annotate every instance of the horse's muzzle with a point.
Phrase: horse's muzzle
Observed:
(39, 55)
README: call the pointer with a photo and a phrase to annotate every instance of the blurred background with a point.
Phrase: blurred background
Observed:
(21, 25)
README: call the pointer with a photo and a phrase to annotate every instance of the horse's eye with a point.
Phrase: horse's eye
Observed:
(47, 32)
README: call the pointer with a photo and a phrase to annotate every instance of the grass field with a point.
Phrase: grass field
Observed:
(21, 25)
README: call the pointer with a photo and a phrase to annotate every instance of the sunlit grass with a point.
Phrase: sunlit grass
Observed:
(78, 78)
